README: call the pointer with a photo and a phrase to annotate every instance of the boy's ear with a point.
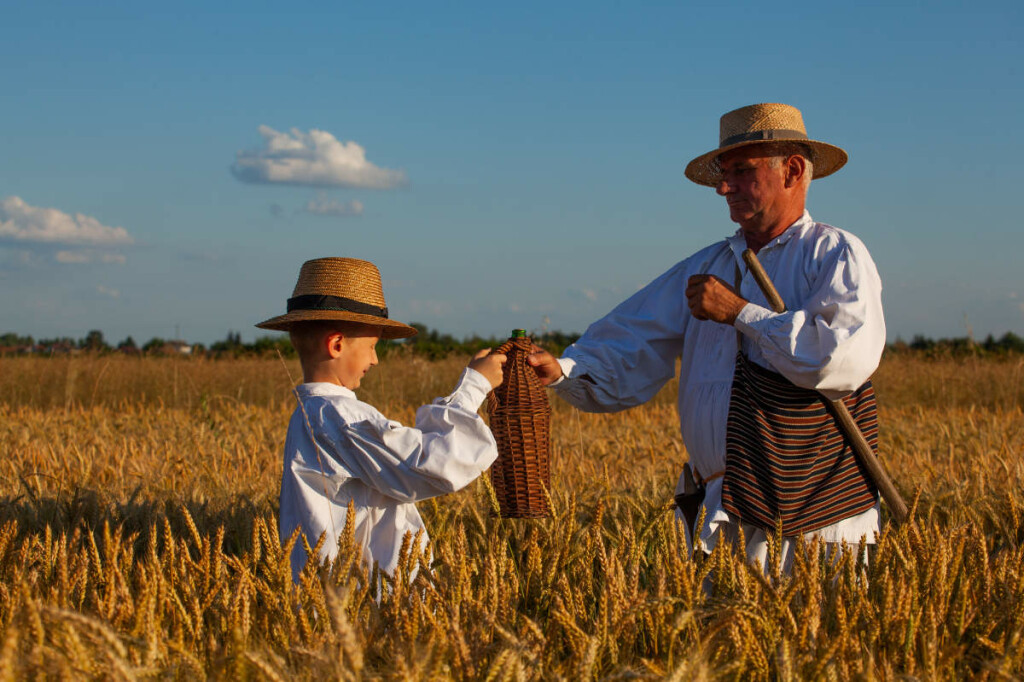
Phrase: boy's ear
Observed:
(333, 343)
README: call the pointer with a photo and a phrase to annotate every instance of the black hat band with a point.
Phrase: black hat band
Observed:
(340, 303)
(759, 135)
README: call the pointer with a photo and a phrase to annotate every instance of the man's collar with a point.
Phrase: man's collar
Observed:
(325, 389)
(738, 242)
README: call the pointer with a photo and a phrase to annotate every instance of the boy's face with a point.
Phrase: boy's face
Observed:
(356, 354)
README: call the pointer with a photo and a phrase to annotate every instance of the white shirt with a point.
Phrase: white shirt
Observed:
(830, 338)
(378, 464)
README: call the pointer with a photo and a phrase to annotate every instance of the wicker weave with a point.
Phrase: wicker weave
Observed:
(520, 419)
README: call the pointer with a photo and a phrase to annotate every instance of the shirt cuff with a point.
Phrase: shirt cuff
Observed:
(470, 391)
(749, 318)
(567, 365)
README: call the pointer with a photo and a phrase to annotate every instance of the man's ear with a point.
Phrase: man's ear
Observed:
(796, 166)
(334, 342)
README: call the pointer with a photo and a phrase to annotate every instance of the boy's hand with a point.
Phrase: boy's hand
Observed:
(544, 364)
(489, 365)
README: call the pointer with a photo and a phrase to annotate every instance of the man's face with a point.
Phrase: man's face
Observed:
(359, 354)
(755, 191)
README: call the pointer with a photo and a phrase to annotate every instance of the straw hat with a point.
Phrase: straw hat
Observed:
(759, 123)
(346, 289)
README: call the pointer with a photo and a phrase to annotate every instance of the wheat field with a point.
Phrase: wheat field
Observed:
(138, 540)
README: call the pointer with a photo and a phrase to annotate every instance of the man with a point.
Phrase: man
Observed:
(829, 340)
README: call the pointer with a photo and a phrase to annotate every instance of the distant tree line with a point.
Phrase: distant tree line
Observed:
(93, 342)
(430, 343)
(1008, 343)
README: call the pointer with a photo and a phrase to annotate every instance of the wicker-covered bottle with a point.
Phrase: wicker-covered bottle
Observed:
(521, 422)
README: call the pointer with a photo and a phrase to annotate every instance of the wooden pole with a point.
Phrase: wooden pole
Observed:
(892, 497)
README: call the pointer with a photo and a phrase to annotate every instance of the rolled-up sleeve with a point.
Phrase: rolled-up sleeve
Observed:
(448, 448)
(833, 340)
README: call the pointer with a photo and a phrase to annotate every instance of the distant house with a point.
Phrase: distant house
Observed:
(177, 347)
(59, 348)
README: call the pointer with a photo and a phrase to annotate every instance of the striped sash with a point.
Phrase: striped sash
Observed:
(786, 458)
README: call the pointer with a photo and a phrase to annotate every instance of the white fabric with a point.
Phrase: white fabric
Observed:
(756, 547)
(831, 339)
(380, 465)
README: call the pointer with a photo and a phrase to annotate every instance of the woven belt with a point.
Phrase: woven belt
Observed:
(705, 480)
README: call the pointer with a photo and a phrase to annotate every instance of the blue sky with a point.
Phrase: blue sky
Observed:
(521, 163)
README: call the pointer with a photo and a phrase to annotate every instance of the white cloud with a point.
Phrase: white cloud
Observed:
(584, 294)
(106, 291)
(88, 256)
(430, 307)
(316, 158)
(73, 257)
(13, 256)
(329, 207)
(24, 223)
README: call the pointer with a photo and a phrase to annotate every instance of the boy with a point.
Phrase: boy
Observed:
(339, 449)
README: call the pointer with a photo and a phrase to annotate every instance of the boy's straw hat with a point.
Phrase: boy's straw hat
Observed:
(759, 123)
(346, 289)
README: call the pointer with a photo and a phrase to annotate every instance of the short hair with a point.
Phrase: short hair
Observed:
(306, 335)
(780, 151)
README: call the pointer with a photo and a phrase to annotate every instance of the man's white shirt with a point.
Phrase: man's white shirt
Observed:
(830, 339)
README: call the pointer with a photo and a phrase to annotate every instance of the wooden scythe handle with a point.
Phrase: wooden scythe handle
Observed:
(761, 277)
(897, 507)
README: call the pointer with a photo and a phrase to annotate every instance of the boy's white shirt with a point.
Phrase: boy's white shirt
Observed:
(378, 464)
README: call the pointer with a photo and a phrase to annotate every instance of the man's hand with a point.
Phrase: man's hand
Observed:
(489, 365)
(710, 298)
(544, 364)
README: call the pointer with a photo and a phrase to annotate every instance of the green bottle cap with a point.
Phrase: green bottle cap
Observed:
(518, 333)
